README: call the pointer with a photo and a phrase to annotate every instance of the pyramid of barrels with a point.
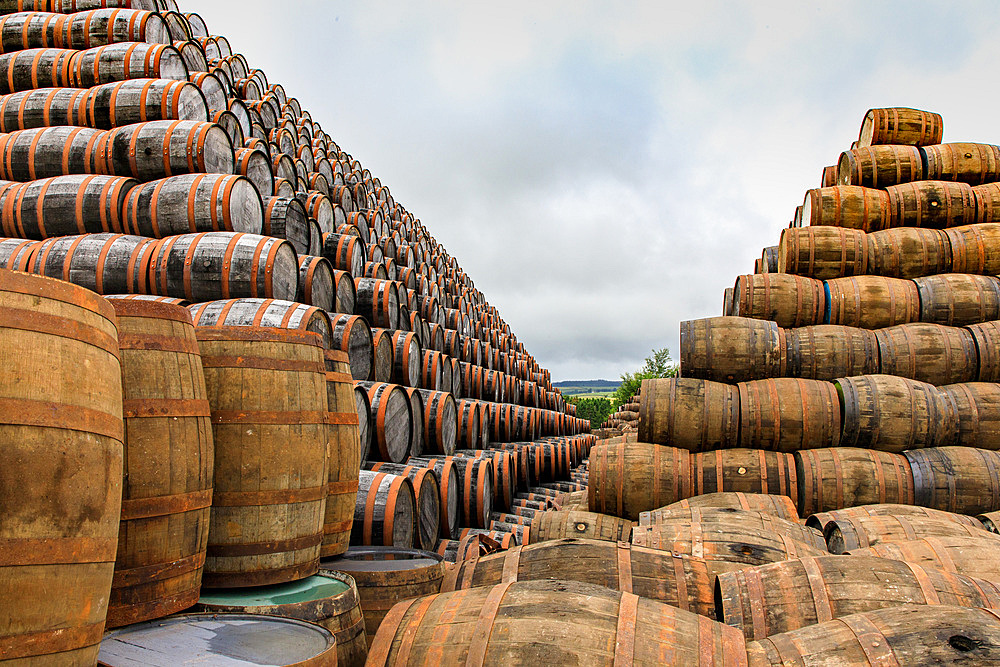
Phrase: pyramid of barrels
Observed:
(241, 378)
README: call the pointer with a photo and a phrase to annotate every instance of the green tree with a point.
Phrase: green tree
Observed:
(595, 409)
(659, 365)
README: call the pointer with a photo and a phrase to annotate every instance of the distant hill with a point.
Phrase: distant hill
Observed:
(576, 387)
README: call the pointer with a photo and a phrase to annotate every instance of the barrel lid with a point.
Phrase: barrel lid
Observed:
(316, 587)
(224, 640)
(381, 559)
(257, 334)
(58, 290)
(158, 310)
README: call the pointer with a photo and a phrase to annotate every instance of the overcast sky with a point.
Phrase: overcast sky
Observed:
(603, 170)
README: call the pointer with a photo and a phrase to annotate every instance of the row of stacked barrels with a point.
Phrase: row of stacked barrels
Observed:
(624, 418)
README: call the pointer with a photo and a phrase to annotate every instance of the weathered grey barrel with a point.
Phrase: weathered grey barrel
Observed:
(440, 421)
(65, 205)
(385, 512)
(138, 100)
(377, 301)
(364, 409)
(120, 62)
(255, 165)
(391, 421)
(27, 155)
(193, 55)
(228, 121)
(346, 291)
(315, 282)
(285, 218)
(105, 263)
(320, 208)
(263, 313)
(224, 265)
(16, 254)
(345, 252)
(351, 334)
(407, 356)
(43, 107)
(162, 148)
(97, 27)
(212, 87)
(37, 68)
(426, 487)
(194, 203)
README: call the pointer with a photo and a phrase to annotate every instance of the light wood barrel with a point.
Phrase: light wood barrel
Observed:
(120, 62)
(881, 166)
(263, 313)
(28, 155)
(847, 533)
(956, 479)
(789, 414)
(725, 516)
(43, 107)
(823, 252)
(934, 204)
(830, 351)
(780, 506)
(194, 203)
(872, 302)
(169, 452)
(391, 421)
(927, 352)
(65, 205)
(105, 263)
(743, 470)
(957, 299)
(161, 148)
(900, 126)
(427, 507)
(345, 453)
(137, 100)
(831, 479)
(970, 556)
(987, 198)
(977, 407)
(284, 218)
(909, 252)
(852, 206)
(970, 163)
(731, 349)
(783, 298)
(62, 467)
(656, 476)
(971, 248)
(821, 520)
(987, 339)
(386, 511)
(697, 415)
(553, 525)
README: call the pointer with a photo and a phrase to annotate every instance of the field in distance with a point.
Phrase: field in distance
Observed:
(587, 388)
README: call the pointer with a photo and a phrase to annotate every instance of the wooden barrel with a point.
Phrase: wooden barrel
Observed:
(860, 532)
(221, 639)
(731, 349)
(969, 556)
(723, 516)
(893, 414)
(933, 204)
(901, 126)
(194, 203)
(743, 470)
(391, 421)
(977, 408)
(352, 335)
(382, 349)
(608, 627)
(387, 575)
(17, 254)
(788, 414)
(345, 453)
(475, 488)
(450, 492)
(823, 252)
(909, 252)
(851, 206)
(263, 313)
(427, 491)
(161, 148)
(909, 634)
(930, 353)
(43, 107)
(254, 164)
(224, 265)
(346, 253)
(956, 479)
(120, 62)
(504, 475)
(365, 431)
(377, 301)
(779, 506)
(831, 479)
(728, 307)
(987, 339)
(970, 163)
(165, 514)
(105, 263)
(65, 205)
(386, 511)
(830, 351)
(783, 298)
(957, 299)
(972, 248)
(821, 520)
(315, 282)
(431, 369)
(329, 599)
(987, 197)
(344, 291)
(630, 478)
(440, 421)
(417, 445)
(37, 68)
(61, 467)
(872, 302)
(881, 166)
(285, 218)
(271, 454)
(86, 28)
(139, 100)
(407, 356)
(28, 155)
(780, 597)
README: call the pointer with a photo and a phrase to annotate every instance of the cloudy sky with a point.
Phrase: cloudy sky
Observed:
(603, 170)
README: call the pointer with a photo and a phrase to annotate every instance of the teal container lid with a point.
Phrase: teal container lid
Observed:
(316, 587)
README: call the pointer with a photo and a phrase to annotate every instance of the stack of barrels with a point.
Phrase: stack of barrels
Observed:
(278, 332)
(624, 419)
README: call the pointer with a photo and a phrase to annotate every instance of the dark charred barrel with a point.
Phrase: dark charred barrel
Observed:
(43, 107)
(428, 499)
(965, 480)
(742, 470)
(851, 206)
(391, 421)
(315, 282)
(831, 479)
(696, 415)
(378, 302)
(731, 349)
(28, 155)
(284, 218)
(105, 263)
(346, 253)
(194, 203)
(162, 148)
(121, 62)
(273, 313)
(881, 166)
(65, 205)
(385, 513)
(139, 100)
(37, 68)
(469, 434)
(17, 254)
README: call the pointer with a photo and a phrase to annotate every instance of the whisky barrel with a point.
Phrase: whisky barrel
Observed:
(881, 166)
(345, 453)
(352, 335)
(431, 369)
(957, 479)
(901, 126)
(65, 205)
(909, 252)
(933, 204)
(121, 62)
(989, 520)
(987, 198)
(220, 639)
(377, 301)
(345, 291)
(96, 27)
(927, 352)
(775, 505)
(43, 107)
(872, 302)
(553, 525)
(987, 338)
(28, 155)
(830, 351)
(105, 263)
(228, 121)
(904, 635)
(957, 299)
(345, 252)
(504, 465)
(448, 487)
(427, 506)
(970, 163)
(850, 206)
(972, 248)
(263, 313)
(161, 148)
(375, 270)
(387, 575)
(63, 455)
(193, 56)
(721, 517)
(731, 349)
(893, 414)
(831, 479)
(212, 87)
(789, 414)
(846, 533)
(138, 100)
(382, 345)
(969, 556)
(977, 408)
(224, 265)
(37, 68)
(728, 306)
(362, 406)
(743, 470)
(167, 487)
(386, 511)
(271, 454)
(315, 282)
(319, 207)
(417, 444)
(254, 164)
(780, 597)
(16, 254)
(391, 417)
(194, 203)
(823, 252)
(329, 599)
(406, 356)
(440, 421)
(783, 298)
(285, 218)
(821, 520)
(476, 488)
(656, 476)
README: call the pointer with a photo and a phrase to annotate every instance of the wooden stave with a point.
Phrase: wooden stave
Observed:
(346, 452)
